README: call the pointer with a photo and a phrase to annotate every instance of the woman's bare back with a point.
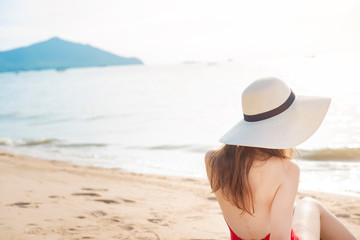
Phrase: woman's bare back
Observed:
(265, 179)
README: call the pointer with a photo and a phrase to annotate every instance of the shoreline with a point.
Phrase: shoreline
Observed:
(351, 192)
(60, 200)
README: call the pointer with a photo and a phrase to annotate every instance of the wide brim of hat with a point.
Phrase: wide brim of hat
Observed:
(286, 130)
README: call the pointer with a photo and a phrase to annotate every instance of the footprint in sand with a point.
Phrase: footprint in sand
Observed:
(33, 228)
(94, 189)
(107, 201)
(114, 219)
(90, 194)
(67, 231)
(128, 200)
(98, 213)
(127, 227)
(93, 194)
(55, 196)
(158, 221)
(24, 205)
(88, 228)
(154, 220)
(36, 230)
(119, 221)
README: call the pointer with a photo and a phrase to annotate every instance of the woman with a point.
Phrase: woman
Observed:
(251, 175)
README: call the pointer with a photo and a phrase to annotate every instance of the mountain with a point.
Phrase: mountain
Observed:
(59, 54)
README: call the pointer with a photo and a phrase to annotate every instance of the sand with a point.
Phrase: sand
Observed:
(41, 199)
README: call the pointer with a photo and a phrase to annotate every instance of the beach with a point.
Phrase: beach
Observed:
(160, 119)
(105, 119)
(43, 199)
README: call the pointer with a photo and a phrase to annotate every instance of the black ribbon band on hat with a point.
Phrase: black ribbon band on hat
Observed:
(271, 113)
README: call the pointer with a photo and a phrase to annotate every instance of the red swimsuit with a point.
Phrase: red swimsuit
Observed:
(234, 237)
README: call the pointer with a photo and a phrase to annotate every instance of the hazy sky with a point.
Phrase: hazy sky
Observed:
(160, 31)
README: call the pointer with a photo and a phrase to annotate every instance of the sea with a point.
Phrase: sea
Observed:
(161, 119)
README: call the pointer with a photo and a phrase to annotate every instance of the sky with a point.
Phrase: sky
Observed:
(170, 31)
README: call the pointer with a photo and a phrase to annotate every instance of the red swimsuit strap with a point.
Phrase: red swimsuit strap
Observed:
(233, 236)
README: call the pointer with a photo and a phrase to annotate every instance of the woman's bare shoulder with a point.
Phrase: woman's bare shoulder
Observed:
(208, 154)
(283, 169)
(207, 161)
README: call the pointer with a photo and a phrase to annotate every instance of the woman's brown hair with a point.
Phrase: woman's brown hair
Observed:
(230, 167)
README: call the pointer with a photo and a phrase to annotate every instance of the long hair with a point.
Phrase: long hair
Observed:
(230, 167)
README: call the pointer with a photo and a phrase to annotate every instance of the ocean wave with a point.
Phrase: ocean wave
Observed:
(330, 154)
(51, 121)
(81, 145)
(23, 142)
(47, 141)
(185, 147)
(339, 154)
(95, 118)
(19, 117)
(38, 142)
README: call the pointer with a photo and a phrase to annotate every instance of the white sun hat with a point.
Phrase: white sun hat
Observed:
(274, 117)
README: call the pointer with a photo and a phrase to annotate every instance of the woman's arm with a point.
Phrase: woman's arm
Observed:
(283, 202)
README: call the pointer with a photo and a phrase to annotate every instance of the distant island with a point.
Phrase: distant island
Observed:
(59, 54)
